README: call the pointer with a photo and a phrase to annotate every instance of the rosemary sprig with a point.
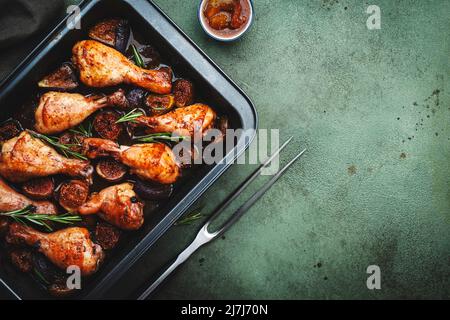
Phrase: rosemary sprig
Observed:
(137, 57)
(27, 215)
(192, 216)
(84, 131)
(40, 276)
(160, 136)
(54, 141)
(130, 116)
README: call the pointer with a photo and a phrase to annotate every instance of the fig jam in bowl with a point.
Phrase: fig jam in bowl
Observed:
(225, 20)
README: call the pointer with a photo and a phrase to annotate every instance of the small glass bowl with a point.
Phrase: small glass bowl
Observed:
(209, 31)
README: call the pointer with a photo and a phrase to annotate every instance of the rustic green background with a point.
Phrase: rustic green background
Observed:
(373, 109)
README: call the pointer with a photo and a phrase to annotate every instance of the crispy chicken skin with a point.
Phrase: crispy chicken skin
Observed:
(117, 205)
(59, 111)
(150, 161)
(25, 157)
(182, 121)
(102, 66)
(67, 247)
(11, 200)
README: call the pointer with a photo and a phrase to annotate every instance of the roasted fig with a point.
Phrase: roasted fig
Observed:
(136, 97)
(73, 140)
(63, 78)
(107, 235)
(159, 104)
(167, 70)
(72, 194)
(118, 99)
(22, 259)
(152, 191)
(9, 129)
(113, 32)
(105, 125)
(40, 188)
(183, 91)
(111, 170)
(150, 56)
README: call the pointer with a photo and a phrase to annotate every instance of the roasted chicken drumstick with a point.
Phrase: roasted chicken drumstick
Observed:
(67, 247)
(25, 157)
(186, 121)
(11, 200)
(150, 161)
(102, 66)
(59, 111)
(117, 205)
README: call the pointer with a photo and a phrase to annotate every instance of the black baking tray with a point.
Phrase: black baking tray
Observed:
(217, 89)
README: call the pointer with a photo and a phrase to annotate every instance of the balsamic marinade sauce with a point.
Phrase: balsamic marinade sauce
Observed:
(228, 18)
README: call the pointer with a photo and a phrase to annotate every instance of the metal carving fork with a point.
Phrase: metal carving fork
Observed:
(204, 236)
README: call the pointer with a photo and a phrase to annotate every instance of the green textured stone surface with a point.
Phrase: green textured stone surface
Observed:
(373, 108)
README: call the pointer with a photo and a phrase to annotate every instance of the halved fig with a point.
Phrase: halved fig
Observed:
(72, 194)
(40, 188)
(152, 191)
(184, 93)
(160, 104)
(74, 141)
(105, 125)
(9, 129)
(118, 99)
(167, 70)
(63, 78)
(136, 97)
(107, 235)
(113, 32)
(150, 56)
(111, 170)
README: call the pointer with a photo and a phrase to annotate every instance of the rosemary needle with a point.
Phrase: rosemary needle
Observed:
(160, 136)
(194, 215)
(137, 57)
(40, 276)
